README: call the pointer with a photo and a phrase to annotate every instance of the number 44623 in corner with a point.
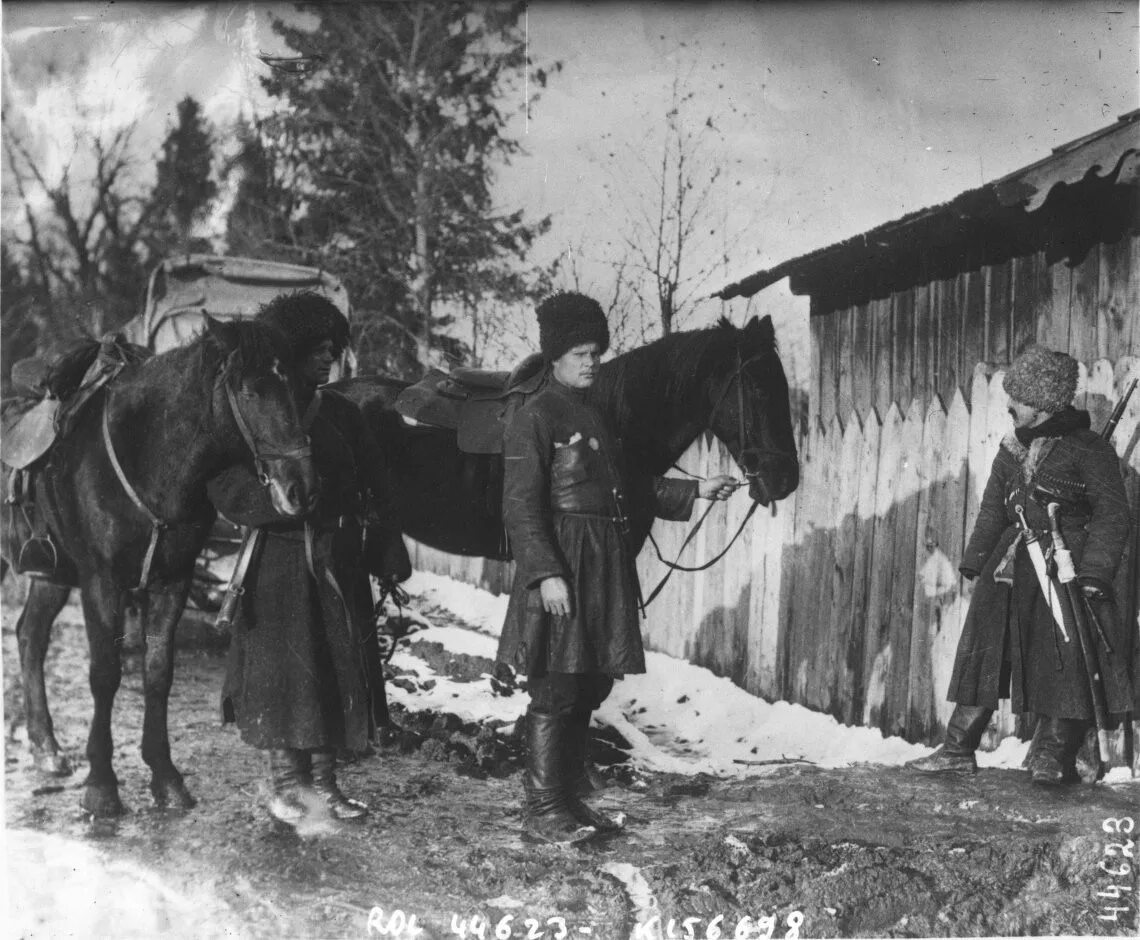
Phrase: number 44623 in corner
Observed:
(1117, 865)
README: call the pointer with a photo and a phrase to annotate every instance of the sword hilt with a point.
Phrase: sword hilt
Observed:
(1026, 528)
(1066, 572)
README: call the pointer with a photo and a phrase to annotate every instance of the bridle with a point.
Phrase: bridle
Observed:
(753, 476)
(158, 525)
(262, 458)
(747, 454)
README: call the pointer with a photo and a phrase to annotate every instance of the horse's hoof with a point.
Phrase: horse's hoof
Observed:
(102, 802)
(53, 764)
(171, 794)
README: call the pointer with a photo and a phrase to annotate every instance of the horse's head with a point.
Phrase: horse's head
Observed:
(256, 388)
(751, 413)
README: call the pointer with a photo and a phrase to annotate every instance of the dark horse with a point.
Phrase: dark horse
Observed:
(171, 422)
(659, 398)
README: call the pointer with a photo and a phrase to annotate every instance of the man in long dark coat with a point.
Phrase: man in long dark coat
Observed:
(1011, 644)
(572, 623)
(304, 677)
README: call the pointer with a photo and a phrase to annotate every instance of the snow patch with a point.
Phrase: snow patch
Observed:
(645, 904)
(678, 717)
(481, 609)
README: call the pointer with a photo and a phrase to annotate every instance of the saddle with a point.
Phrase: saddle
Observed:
(477, 404)
(51, 397)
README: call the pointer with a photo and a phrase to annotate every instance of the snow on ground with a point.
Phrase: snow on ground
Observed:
(64, 887)
(678, 717)
(480, 609)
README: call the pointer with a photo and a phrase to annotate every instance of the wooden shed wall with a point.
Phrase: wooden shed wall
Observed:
(926, 341)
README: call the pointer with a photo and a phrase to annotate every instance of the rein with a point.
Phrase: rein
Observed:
(672, 566)
(159, 525)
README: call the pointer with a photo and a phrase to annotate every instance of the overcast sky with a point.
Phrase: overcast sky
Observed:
(826, 119)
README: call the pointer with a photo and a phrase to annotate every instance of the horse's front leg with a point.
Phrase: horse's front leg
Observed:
(160, 614)
(103, 604)
(33, 633)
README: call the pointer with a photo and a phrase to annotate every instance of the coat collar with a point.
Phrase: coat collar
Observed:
(1030, 447)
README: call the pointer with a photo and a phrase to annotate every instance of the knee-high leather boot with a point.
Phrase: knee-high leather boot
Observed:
(324, 782)
(963, 735)
(548, 815)
(579, 778)
(584, 776)
(290, 781)
(1058, 740)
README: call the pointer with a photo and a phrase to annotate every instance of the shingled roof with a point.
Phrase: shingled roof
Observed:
(1084, 192)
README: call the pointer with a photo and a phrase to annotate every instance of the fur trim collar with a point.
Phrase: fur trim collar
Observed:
(1028, 457)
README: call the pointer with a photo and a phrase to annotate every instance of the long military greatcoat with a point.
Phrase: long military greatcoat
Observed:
(304, 668)
(563, 467)
(1010, 644)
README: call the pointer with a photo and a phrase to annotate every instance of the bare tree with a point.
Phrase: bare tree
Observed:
(82, 240)
(677, 208)
(670, 230)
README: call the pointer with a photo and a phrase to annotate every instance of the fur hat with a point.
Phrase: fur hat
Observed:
(566, 320)
(307, 319)
(1042, 379)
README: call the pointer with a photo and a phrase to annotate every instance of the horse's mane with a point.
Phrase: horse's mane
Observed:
(258, 347)
(669, 369)
(205, 361)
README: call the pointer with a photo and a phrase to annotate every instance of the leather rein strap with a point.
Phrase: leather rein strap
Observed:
(674, 566)
(158, 525)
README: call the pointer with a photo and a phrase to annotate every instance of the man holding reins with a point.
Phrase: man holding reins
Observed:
(573, 623)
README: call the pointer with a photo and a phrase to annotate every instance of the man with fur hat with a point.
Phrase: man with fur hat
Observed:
(572, 624)
(1011, 645)
(304, 677)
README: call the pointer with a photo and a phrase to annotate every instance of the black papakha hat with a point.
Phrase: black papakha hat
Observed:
(566, 320)
(1042, 379)
(306, 319)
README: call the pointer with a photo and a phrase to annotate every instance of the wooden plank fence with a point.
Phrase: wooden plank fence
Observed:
(846, 597)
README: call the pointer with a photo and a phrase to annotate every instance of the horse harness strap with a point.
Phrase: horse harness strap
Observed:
(156, 524)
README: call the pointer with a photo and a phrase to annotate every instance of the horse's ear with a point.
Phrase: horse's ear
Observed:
(224, 334)
(761, 329)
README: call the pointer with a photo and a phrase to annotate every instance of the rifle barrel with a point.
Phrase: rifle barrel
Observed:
(1118, 411)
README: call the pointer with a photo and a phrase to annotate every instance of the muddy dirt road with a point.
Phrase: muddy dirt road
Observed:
(794, 851)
